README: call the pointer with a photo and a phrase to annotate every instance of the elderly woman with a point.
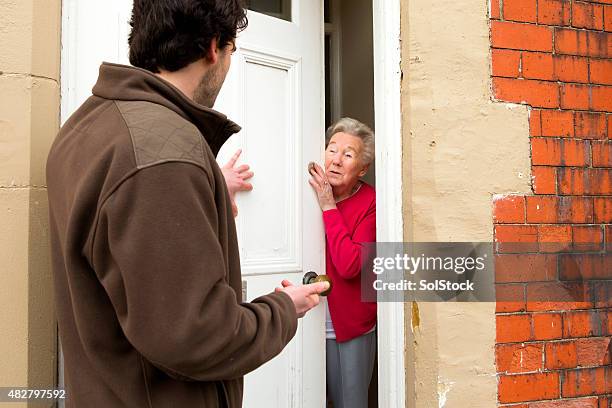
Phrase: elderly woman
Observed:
(349, 214)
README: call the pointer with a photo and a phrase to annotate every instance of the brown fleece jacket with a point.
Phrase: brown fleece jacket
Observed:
(145, 255)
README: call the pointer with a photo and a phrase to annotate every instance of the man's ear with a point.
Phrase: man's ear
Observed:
(212, 53)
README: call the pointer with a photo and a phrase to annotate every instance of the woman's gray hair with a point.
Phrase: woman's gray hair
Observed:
(355, 128)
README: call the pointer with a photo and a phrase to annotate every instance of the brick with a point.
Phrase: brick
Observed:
(555, 233)
(587, 237)
(609, 126)
(520, 36)
(602, 153)
(584, 181)
(580, 42)
(535, 122)
(544, 180)
(542, 209)
(520, 10)
(600, 44)
(554, 12)
(602, 209)
(495, 10)
(568, 68)
(505, 63)
(510, 298)
(590, 125)
(575, 96)
(575, 210)
(587, 15)
(519, 358)
(561, 355)
(535, 93)
(511, 268)
(605, 402)
(558, 296)
(581, 267)
(608, 18)
(515, 238)
(528, 387)
(584, 324)
(577, 353)
(587, 381)
(590, 402)
(601, 71)
(554, 238)
(513, 328)
(559, 152)
(593, 352)
(601, 293)
(601, 98)
(573, 42)
(516, 233)
(537, 65)
(509, 209)
(557, 123)
(572, 181)
(547, 326)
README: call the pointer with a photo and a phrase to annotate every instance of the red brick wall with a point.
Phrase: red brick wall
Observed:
(555, 57)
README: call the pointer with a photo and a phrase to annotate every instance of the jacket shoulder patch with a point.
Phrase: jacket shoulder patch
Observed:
(159, 134)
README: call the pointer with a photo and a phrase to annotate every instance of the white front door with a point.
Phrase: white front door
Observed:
(275, 91)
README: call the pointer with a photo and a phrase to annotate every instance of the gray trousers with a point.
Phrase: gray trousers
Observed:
(349, 370)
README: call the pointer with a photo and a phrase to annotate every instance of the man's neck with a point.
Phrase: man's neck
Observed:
(185, 79)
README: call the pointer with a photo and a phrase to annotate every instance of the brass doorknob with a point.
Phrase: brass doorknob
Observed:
(313, 277)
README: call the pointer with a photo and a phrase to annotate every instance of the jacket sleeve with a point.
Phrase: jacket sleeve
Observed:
(345, 248)
(158, 256)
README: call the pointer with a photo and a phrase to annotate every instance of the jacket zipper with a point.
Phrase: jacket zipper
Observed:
(224, 396)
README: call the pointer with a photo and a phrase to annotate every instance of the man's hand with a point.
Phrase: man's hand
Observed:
(304, 297)
(235, 178)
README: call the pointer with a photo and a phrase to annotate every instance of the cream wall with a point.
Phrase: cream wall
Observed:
(29, 120)
(460, 148)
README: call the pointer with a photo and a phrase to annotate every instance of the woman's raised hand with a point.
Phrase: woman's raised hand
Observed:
(321, 186)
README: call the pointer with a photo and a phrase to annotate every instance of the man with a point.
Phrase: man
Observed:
(144, 249)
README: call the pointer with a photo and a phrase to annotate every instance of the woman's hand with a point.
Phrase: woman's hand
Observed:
(321, 186)
(235, 178)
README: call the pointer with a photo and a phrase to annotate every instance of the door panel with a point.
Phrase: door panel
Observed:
(275, 91)
(273, 148)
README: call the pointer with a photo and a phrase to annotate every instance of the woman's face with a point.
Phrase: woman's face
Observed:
(343, 160)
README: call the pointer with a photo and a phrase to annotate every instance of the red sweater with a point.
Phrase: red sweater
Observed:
(353, 222)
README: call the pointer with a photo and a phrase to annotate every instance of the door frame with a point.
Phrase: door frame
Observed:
(389, 193)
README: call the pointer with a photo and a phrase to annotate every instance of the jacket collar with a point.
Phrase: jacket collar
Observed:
(127, 83)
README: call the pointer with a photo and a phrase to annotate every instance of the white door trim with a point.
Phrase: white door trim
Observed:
(389, 218)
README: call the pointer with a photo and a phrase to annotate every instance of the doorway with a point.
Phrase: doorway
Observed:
(349, 82)
(85, 21)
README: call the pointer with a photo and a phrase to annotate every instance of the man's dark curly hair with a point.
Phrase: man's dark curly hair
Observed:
(171, 34)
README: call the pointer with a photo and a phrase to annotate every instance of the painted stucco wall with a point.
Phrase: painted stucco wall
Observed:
(460, 148)
(29, 120)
